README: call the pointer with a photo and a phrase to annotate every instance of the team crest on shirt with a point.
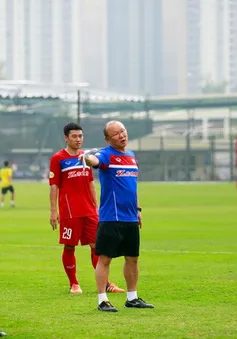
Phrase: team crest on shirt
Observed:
(51, 175)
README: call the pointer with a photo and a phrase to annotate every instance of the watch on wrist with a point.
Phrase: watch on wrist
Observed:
(139, 209)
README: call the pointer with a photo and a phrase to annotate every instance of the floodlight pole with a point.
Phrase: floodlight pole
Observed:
(78, 106)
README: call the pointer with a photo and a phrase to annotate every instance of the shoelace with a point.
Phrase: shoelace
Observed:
(108, 303)
(139, 299)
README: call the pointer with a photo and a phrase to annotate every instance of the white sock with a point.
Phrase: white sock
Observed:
(2, 204)
(12, 203)
(131, 295)
(102, 297)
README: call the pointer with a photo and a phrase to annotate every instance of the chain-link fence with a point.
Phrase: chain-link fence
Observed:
(186, 160)
(166, 150)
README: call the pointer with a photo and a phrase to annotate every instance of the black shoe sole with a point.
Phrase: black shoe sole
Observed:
(138, 307)
(111, 311)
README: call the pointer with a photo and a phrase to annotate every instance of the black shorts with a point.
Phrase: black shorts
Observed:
(116, 239)
(8, 188)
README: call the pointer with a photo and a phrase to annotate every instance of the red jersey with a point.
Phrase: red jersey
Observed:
(73, 180)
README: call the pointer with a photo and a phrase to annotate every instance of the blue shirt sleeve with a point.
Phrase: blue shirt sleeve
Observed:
(103, 156)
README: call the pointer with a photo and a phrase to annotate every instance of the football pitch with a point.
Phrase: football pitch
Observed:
(188, 269)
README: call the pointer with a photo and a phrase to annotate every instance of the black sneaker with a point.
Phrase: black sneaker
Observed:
(2, 334)
(106, 306)
(138, 303)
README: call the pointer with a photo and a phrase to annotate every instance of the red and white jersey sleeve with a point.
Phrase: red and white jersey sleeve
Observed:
(54, 170)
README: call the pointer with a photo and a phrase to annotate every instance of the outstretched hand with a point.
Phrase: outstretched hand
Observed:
(82, 157)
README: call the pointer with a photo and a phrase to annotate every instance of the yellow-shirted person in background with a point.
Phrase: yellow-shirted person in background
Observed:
(6, 183)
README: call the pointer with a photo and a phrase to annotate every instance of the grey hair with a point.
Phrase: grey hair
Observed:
(111, 122)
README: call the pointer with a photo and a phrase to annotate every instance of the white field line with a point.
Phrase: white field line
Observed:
(142, 250)
(189, 182)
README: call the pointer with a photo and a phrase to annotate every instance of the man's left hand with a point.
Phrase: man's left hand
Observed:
(139, 219)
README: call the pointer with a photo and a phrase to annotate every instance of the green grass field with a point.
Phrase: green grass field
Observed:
(188, 269)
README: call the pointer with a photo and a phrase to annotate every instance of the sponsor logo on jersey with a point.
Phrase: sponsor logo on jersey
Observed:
(123, 173)
(75, 174)
(51, 175)
(118, 159)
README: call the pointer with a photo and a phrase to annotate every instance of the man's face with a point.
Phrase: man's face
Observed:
(74, 139)
(117, 135)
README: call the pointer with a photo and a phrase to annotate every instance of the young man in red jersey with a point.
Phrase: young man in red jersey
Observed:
(72, 190)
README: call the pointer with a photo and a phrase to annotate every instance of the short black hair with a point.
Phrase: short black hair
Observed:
(70, 127)
(6, 163)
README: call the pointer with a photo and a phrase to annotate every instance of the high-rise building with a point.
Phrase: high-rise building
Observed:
(193, 46)
(232, 41)
(174, 47)
(154, 46)
(219, 43)
(221, 46)
(213, 38)
(54, 41)
(3, 35)
(134, 46)
(92, 32)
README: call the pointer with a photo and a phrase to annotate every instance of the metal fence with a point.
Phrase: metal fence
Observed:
(214, 162)
(28, 139)
(185, 159)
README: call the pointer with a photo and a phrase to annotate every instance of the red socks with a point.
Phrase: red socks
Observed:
(94, 258)
(69, 263)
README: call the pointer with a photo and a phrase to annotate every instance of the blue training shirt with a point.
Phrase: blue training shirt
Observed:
(118, 180)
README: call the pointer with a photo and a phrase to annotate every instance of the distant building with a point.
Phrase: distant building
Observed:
(130, 46)
(193, 46)
(232, 41)
(213, 38)
(54, 41)
(219, 42)
(154, 46)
